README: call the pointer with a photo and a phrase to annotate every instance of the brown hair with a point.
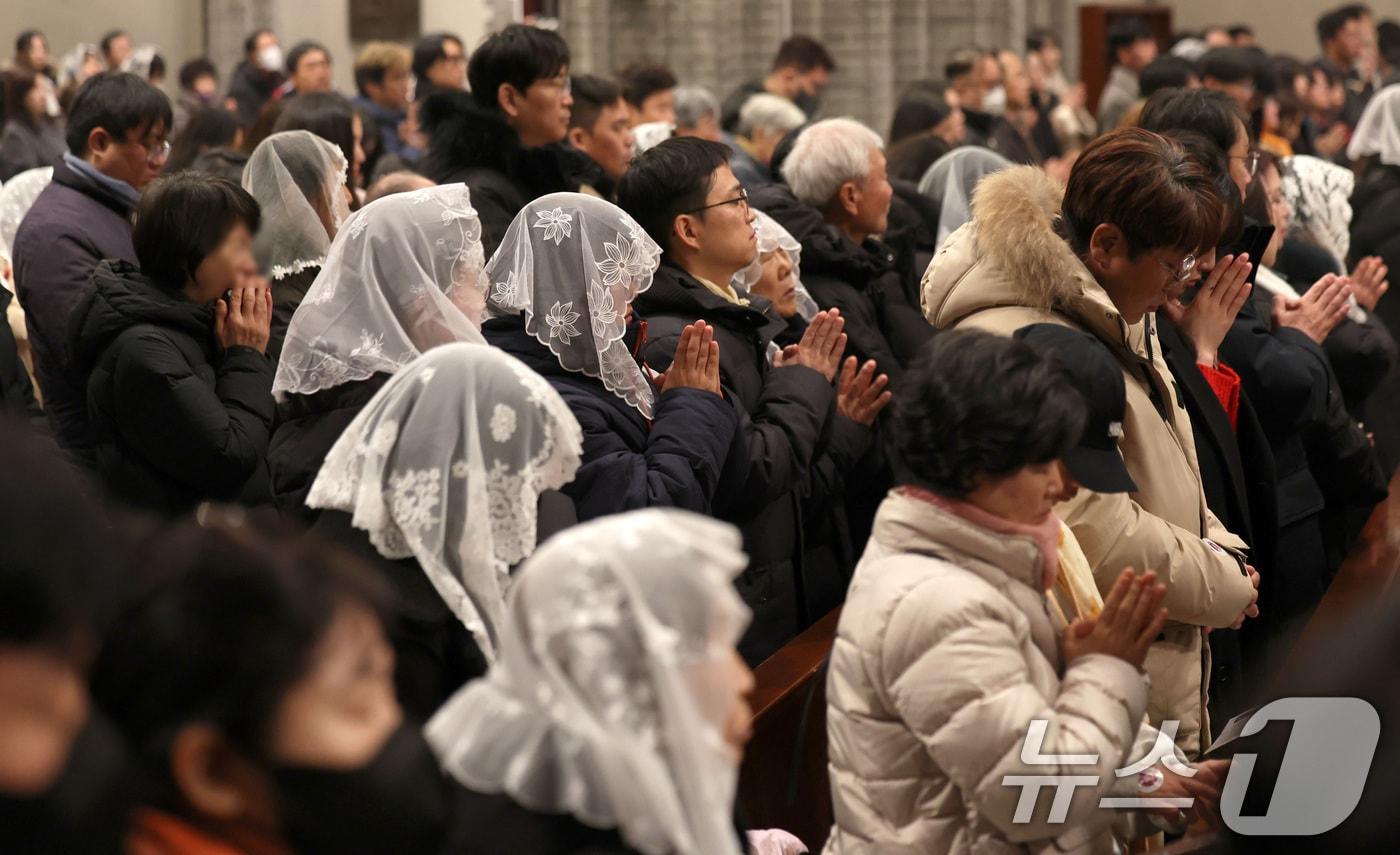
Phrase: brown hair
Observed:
(1146, 185)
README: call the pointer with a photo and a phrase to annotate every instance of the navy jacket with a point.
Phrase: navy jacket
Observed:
(73, 225)
(627, 463)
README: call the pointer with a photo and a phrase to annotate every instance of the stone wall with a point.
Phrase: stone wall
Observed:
(880, 45)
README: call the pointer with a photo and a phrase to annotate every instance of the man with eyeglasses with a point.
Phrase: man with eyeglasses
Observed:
(686, 197)
(116, 135)
(503, 138)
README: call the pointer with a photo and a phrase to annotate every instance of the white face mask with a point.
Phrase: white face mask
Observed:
(51, 107)
(994, 101)
(270, 58)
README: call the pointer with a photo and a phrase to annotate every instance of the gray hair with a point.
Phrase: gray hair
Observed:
(825, 156)
(773, 113)
(692, 103)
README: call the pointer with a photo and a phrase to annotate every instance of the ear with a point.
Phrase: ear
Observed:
(209, 773)
(1105, 244)
(508, 99)
(685, 232)
(577, 136)
(99, 140)
(849, 197)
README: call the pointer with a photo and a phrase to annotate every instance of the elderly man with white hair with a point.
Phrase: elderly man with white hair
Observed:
(837, 168)
(697, 114)
(763, 121)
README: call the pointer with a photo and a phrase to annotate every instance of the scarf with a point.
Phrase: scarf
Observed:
(1045, 534)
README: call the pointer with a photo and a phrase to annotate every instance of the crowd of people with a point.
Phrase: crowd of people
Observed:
(426, 471)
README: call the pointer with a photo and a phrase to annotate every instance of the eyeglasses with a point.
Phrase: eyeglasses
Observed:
(156, 152)
(741, 199)
(1180, 272)
(1251, 161)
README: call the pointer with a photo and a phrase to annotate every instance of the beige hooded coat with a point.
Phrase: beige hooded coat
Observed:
(1007, 268)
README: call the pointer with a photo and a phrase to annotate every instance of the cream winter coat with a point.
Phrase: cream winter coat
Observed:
(1007, 268)
(945, 652)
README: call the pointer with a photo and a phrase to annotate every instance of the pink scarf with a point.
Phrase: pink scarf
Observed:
(1046, 534)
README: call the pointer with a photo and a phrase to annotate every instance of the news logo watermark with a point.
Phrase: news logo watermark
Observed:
(1327, 758)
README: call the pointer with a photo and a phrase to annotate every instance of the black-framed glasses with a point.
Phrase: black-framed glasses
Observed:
(1180, 272)
(1251, 161)
(741, 199)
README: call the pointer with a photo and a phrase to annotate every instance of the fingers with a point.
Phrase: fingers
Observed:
(1147, 600)
(848, 373)
(1217, 273)
(220, 317)
(875, 389)
(249, 297)
(692, 345)
(1114, 600)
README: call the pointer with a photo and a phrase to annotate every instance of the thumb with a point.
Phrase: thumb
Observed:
(220, 315)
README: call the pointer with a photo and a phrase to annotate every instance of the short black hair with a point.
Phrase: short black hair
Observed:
(1037, 39)
(1204, 151)
(299, 52)
(592, 95)
(181, 219)
(1207, 112)
(1123, 33)
(1166, 72)
(221, 624)
(328, 115)
(195, 69)
(1330, 23)
(429, 49)
(519, 55)
(223, 162)
(25, 37)
(1237, 30)
(206, 128)
(252, 40)
(667, 180)
(641, 80)
(1327, 69)
(977, 405)
(109, 37)
(1229, 65)
(917, 114)
(1388, 41)
(116, 102)
(15, 85)
(803, 53)
(57, 553)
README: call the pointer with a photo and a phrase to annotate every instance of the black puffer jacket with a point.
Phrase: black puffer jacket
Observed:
(783, 415)
(675, 461)
(176, 420)
(861, 281)
(476, 147)
(307, 428)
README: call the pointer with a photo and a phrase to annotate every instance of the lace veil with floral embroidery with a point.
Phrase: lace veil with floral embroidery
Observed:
(771, 238)
(299, 182)
(446, 464)
(571, 263)
(612, 686)
(403, 275)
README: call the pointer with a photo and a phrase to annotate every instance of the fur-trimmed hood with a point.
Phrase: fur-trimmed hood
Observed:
(1010, 254)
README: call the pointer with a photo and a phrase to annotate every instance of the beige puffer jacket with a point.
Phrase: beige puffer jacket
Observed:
(945, 652)
(1007, 268)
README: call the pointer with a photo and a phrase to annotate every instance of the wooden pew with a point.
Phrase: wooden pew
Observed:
(789, 682)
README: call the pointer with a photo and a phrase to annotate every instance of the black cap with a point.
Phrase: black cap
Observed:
(1095, 461)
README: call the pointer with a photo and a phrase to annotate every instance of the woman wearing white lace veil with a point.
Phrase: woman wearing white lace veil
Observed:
(403, 275)
(774, 274)
(613, 720)
(562, 283)
(950, 181)
(299, 182)
(439, 478)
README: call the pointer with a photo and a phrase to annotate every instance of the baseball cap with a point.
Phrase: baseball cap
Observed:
(1095, 461)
